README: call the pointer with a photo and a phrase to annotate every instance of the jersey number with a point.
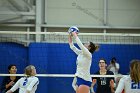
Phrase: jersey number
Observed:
(103, 81)
(25, 82)
(135, 86)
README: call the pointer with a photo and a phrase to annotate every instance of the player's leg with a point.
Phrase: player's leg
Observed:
(83, 85)
(83, 89)
(77, 90)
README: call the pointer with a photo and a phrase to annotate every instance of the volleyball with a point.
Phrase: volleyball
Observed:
(73, 29)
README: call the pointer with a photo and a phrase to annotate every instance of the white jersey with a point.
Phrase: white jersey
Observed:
(84, 60)
(128, 85)
(26, 84)
(113, 69)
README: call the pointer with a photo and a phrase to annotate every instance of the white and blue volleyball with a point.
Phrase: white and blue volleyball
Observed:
(73, 29)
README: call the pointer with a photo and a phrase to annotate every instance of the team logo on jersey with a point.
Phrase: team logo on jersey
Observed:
(135, 85)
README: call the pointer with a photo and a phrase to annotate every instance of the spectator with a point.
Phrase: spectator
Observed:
(9, 81)
(114, 66)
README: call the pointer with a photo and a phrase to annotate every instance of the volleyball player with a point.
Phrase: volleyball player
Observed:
(84, 60)
(104, 84)
(131, 83)
(27, 84)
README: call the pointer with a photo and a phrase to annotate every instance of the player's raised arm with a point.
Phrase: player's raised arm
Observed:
(82, 47)
(75, 49)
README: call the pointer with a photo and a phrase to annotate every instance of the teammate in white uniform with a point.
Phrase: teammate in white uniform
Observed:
(26, 84)
(131, 83)
(84, 60)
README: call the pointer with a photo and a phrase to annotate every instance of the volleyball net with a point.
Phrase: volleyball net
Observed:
(62, 75)
(62, 37)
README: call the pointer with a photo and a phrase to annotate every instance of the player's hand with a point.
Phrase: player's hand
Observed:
(11, 83)
(94, 81)
(74, 34)
(9, 91)
(112, 83)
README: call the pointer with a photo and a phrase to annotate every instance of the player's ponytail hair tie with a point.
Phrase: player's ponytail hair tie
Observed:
(97, 47)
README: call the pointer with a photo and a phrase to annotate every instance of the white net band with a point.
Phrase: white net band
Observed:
(66, 33)
(61, 75)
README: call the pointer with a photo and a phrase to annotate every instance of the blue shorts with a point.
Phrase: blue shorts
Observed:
(81, 81)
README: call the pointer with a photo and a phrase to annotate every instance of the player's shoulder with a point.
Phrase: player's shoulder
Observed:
(35, 78)
(30, 78)
(126, 78)
(110, 72)
(22, 79)
(98, 72)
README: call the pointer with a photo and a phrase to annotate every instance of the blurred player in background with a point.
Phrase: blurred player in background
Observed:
(131, 83)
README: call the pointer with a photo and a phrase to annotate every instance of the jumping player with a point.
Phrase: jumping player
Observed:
(84, 61)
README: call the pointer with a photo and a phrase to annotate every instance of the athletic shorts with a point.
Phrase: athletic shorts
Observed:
(81, 81)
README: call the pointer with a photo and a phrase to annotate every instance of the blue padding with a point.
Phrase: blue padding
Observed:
(56, 58)
(38, 56)
(12, 53)
(63, 59)
(123, 53)
(60, 85)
